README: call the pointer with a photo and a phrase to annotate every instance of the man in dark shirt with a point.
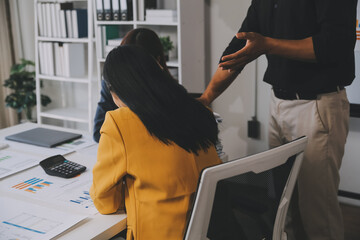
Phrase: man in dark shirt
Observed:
(309, 45)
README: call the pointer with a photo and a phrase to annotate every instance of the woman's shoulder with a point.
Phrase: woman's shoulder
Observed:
(123, 117)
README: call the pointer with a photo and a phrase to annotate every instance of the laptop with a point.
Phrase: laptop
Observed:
(44, 137)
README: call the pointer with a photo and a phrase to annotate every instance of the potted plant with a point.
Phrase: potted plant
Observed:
(22, 82)
(167, 46)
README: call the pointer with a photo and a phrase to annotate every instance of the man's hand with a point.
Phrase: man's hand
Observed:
(256, 45)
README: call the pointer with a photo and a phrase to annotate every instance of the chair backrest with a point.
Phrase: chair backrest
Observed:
(246, 198)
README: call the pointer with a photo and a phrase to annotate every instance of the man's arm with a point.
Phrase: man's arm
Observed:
(255, 46)
(219, 82)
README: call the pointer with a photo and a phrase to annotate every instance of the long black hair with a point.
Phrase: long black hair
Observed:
(163, 105)
(149, 40)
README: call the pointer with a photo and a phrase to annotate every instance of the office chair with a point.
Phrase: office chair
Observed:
(246, 198)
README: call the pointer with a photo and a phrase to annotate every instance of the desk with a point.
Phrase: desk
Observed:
(95, 226)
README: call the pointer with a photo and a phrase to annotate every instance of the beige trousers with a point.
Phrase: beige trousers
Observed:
(314, 211)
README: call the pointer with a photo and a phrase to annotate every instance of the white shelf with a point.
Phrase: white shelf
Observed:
(64, 79)
(67, 114)
(114, 22)
(76, 93)
(156, 23)
(70, 40)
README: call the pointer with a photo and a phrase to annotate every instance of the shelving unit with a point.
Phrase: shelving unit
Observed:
(73, 98)
(187, 61)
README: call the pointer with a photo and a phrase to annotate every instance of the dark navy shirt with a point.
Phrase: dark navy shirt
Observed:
(331, 24)
(105, 104)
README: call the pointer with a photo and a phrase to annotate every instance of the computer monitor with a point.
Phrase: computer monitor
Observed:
(246, 198)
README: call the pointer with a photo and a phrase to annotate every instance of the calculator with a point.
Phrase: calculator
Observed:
(59, 166)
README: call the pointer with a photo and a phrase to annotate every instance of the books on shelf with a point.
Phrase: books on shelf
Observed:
(61, 20)
(62, 59)
(79, 21)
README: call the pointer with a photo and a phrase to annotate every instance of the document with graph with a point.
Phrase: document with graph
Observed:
(11, 162)
(36, 184)
(27, 221)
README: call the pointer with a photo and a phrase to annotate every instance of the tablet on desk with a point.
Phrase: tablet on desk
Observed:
(44, 137)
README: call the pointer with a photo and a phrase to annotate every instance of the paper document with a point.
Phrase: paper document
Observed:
(36, 184)
(11, 162)
(26, 221)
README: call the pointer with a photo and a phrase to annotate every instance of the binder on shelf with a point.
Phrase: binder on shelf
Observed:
(74, 59)
(124, 10)
(130, 10)
(53, 21)
(69, 24)
(44, 19)
(141, 10)
(40, 19)
(100, 10)
(79, 22)
(63, 24)
(48, 57)
(57, 19)
(48, 19)
(66, 22)
(57, 59)
(61, 59)
(41, 58)
(107, 10)
(150, 4)
(115, 5)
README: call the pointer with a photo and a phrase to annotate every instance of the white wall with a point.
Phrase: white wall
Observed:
(236, 105)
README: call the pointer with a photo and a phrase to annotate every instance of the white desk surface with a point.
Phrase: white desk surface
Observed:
(95, 226)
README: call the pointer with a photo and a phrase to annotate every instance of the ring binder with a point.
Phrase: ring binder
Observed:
(99, 10)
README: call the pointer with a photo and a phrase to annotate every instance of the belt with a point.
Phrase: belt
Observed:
(291, 95)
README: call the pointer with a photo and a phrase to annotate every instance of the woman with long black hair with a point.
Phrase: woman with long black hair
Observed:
(142, 37)
(152, 148)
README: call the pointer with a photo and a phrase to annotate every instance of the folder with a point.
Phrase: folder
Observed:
(115, 4)
(53, 21)
(130, 10)
(63, 24)
(107, 9)
(48, 20)
(69, 26)
(80, 27)
(40, 19)
(58, 20)
(99, 10)
(65, 19)
(44, 18)
(74, 60)
(43, 137)
(124, 10)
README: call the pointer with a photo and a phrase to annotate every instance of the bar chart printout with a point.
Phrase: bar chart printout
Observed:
(22, 220)
(33, 185)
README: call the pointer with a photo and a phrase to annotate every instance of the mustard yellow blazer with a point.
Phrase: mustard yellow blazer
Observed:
(159, 180)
